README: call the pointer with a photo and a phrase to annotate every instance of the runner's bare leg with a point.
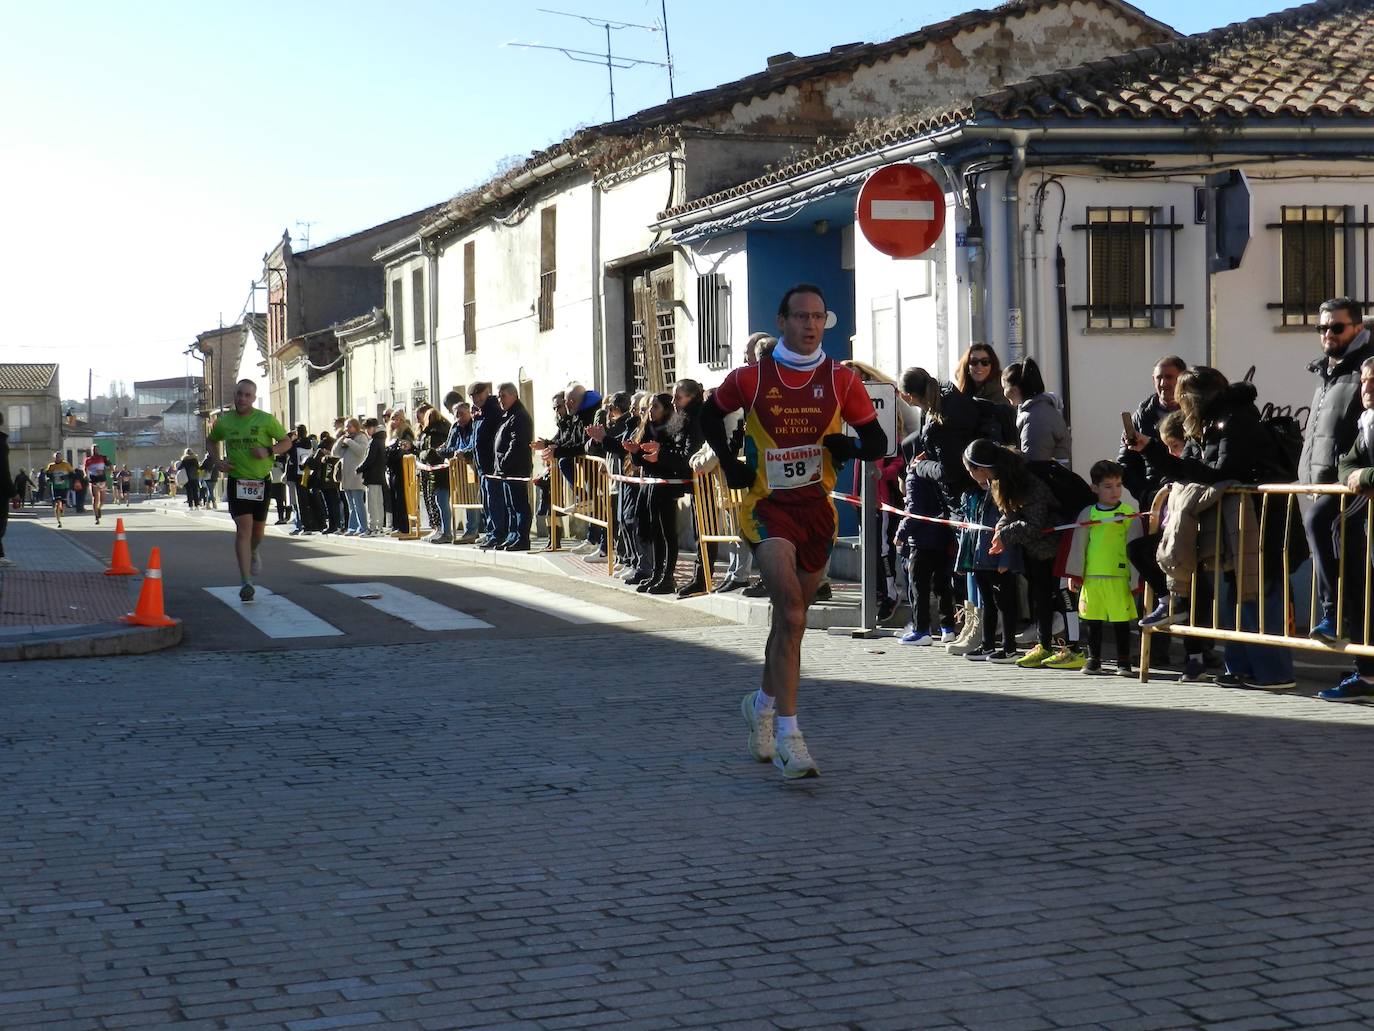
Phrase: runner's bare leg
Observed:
(791, 591)
(244, 533)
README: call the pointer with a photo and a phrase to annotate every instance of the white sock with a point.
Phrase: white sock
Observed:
(785, 725)
(762, 703)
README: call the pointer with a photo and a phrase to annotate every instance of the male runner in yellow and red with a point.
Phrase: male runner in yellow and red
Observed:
(795, 401)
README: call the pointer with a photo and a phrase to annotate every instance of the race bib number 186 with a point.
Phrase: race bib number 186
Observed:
(250, 490)
(792, 467)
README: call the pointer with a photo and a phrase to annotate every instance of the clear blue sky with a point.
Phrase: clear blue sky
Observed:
(155, 150)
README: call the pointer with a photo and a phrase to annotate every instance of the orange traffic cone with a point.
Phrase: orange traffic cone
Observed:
(120, 562)
(149, 610)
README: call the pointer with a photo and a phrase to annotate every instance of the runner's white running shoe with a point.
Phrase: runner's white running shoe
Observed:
(790, 756)
(255, 563)
(760, 729)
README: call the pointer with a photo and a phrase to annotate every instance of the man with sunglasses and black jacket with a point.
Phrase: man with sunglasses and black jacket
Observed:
(1331, 427)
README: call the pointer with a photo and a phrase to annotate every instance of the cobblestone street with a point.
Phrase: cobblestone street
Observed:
(569, 835)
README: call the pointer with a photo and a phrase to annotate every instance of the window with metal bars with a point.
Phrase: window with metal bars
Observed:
(469, 298)
(713, 321)
(548, 266)
(1130, 268)
(666, 322)
(1324, 253)
(417, 306)
(398, 336)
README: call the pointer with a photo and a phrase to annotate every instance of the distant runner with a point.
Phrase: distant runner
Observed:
(59, 472)
(251, 438)
(97, 470)
(794, 402)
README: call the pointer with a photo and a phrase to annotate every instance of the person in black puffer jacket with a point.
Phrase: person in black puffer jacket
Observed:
(1225, 444)
(373, 471)
(514, 461)
(950, 423)
(1024, 503)
(1142, 479)
(929, 552)
(400, 442)
(487, 416)
(673, 435)
(434, 430)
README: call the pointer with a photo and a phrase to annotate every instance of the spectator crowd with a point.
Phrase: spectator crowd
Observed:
(1005, 554)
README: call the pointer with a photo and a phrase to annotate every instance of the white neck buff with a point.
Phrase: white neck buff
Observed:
(803, 362)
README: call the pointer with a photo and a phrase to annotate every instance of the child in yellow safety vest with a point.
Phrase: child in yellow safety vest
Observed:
(1099, 569)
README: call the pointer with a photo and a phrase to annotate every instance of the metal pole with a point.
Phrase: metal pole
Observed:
(668, 51)
(610, 73)
(868, 528)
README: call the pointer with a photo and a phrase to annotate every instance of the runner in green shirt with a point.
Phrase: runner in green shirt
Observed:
(251, 438)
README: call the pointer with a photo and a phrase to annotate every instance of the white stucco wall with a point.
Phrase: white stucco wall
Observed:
(510, 346)
(898, 318)
(726, 256)
(1110, 370)
(1247, 332)
(407, 366)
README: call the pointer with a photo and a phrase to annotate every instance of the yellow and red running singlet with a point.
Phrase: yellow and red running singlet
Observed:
(788, 412)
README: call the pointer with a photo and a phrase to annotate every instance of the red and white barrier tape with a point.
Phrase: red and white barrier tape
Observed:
(1100, 522)
(854, 499)
(652, 480)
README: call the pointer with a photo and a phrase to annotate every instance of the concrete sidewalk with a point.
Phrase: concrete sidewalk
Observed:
(56, 602)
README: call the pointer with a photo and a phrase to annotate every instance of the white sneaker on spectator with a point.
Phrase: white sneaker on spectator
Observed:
(791, 756)
(760, 729)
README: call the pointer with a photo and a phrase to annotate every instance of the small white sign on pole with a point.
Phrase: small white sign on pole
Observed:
(884, 398)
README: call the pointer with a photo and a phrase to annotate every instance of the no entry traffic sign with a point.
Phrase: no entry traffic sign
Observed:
(901, 210)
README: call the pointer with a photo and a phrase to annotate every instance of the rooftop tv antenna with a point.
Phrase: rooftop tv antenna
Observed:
(611, 60)
(304, 227)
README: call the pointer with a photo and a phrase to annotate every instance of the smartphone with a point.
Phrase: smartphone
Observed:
(1128, 426)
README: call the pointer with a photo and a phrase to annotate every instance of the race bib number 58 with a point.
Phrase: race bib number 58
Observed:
(791, 467)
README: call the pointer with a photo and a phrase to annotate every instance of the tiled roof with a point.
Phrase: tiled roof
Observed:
(853, 147)
(1314, 61)
(780, 75)
(1286, 64)
(651, 123)
(34, 378)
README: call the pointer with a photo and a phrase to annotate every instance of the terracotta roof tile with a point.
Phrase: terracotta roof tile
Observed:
(1280, 65)
(33, 378)
(660, 120)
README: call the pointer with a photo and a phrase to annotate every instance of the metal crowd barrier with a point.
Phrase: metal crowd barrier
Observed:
(1275, 511)
(410, 484)
(589, 499)
(716, 507)
(464, 492)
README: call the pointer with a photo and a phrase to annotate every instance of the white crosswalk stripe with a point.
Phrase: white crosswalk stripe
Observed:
(560, 606)
(416, 610)
(274, 615)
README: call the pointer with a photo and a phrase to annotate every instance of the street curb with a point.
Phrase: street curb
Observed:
(744, 611)
(92, 641)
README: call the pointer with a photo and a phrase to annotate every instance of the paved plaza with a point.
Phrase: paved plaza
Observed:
(564, 832)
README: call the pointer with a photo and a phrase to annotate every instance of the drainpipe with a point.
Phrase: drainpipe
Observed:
(1016, 271)
(600, 375)
(431, 252)
(956, 318)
